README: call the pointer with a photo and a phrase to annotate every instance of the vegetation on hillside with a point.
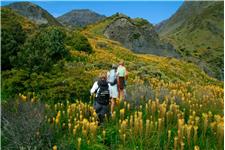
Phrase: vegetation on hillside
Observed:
(42, 50)
(78, 42)
(199, 36)
(46, 102)
(14, 30)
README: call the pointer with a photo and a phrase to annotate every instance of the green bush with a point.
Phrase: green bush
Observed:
(58, 85)
(78, 42)
(12, 37)
(42, 50)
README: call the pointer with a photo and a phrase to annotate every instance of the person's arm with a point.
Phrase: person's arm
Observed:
(126, 73)
(110, 91)
(117, 73)
(94, 88)
(108, 73)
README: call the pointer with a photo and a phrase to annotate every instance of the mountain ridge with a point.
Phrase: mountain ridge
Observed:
(80, 18)
(34, 13)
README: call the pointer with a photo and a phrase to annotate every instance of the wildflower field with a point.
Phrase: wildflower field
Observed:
(171, 104)
(176, 116)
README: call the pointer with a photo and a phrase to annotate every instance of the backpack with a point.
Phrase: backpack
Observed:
(102, 93)
(112, 77)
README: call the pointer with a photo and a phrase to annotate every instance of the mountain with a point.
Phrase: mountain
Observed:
(80, 18)
(136, 34)
(196, 30)
(145, 66)
(9, 17)
(34, 13)
(186, 11)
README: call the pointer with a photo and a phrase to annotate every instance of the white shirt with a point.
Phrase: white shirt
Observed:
(95, 87)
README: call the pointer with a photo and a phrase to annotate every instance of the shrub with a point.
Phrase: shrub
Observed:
(60, 84)
(12, 37)
(43, 49)
(23, 126)
(78, 42)
(13, 82)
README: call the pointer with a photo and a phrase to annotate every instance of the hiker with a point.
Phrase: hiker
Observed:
(102, 97)
(112, 80)
(121, 77)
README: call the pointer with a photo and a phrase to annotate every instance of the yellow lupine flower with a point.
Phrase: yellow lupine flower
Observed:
(79, 143)
(122, 111)
(54, 147)
(196, 148)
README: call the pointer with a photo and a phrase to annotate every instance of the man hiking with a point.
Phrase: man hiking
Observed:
(121, 77)
(102, 97)
(112, 80)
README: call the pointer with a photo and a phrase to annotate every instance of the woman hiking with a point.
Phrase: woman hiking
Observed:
(112, 80)
(102, 97)
(121, 77)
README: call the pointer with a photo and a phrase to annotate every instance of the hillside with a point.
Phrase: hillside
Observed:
(135, 34)
(80, 18)
(14, 30)
(196, 30)
(34, 13)
(46, 102)
(143, 65)
(8, 16)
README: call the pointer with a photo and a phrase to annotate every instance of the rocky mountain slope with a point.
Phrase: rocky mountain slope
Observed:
(196, 30)
(34, 13)
(80, 18)
(136, 34)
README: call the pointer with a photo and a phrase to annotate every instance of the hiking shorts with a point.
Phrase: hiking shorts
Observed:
(121, 83)
(100, 109)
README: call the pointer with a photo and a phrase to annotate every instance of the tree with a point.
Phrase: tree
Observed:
(43, 49)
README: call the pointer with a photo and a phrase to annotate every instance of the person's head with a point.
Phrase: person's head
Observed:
(114, 66)
(103, 75)
(121, 63)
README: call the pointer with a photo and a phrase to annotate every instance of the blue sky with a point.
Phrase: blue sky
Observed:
(153, 11)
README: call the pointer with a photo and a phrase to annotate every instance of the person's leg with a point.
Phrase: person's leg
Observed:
(118, 88)
(112, 105)
(122, 88)
(122, 94)
(105, 112)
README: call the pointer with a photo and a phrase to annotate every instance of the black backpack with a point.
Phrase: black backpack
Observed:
(102, 92)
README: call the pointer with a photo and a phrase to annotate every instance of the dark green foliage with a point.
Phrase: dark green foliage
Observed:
(141, 22)
(43, 49)
(136, 35)
(78, 42)
(12, 37)
(14, 82)
(58, 85)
